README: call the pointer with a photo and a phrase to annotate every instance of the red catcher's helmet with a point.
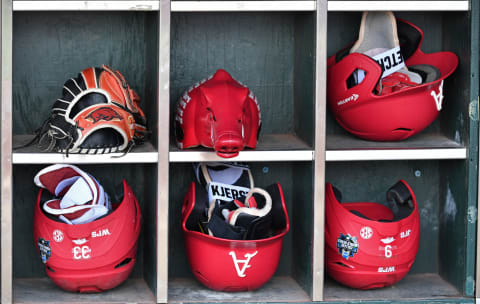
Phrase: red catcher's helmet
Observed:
(367, 245)
(226, 264)
(394, 114)
(89, 257)
(219, 113)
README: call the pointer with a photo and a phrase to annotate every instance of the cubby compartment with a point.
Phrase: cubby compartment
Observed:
(448, 135)
(30, 282)
(271, 53)
(50, 47)
(441, 270)
(292, 279)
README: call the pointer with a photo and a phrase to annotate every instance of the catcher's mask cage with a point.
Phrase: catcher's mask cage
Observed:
(89, 257)
(220, 113)
(369, 245)
(398, 114)
(239, 265)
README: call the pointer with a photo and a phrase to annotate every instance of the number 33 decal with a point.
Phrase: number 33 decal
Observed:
(81, 252)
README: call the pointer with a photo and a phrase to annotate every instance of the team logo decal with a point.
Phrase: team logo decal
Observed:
(366, 232)
(103, 114)
(438, 97)
(246, 262)
(44, 248)
(57, 236)
(347, 245)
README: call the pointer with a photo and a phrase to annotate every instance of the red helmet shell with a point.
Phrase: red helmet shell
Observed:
(231, 265)
(218, 113)
(89, 257)
(368, 253)
(393, 116)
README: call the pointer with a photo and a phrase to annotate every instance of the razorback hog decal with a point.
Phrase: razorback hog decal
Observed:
(103, 113)
(220, 113)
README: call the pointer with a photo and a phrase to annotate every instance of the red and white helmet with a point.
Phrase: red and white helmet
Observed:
(93, 256)
(369, 245)
(243, 234)
(219, 113)
(384, 87)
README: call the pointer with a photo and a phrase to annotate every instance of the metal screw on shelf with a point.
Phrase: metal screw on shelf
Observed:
(265, 170)
(418, 173)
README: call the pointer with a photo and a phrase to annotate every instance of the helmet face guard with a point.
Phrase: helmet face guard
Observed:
(218, 113)
(369, 245)
(89, 257)
(399, 111)
(226, 264)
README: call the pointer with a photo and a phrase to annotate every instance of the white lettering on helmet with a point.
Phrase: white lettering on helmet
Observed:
(405, 234)
(438, 97)
(354, 97)
(386, 269)
(99, 233)
(246, 262)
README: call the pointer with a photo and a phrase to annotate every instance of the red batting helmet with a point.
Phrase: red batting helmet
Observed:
(220, 113)
(393, 107)
(238, 264)
(367, 244)
(89, 257)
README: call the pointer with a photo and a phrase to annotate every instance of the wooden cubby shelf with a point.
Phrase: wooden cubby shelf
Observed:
(279, 50)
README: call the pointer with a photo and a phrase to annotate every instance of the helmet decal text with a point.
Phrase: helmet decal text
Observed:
(438, 97)
(100, 232)
(246, 262)
(405, 233)
(386, 269)
(347, 245)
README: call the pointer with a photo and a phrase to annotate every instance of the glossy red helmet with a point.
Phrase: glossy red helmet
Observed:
(219, 113)
(225, 264)
(367, 244)
(89, 257)
(400, 89)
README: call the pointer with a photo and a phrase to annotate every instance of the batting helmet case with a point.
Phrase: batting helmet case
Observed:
(96, 254)
(220, 113)
(368, 245)
(383, 87)
(242, 233)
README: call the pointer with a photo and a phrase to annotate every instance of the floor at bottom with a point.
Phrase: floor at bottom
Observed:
(278, 289)
(429, 286)
(43, 290)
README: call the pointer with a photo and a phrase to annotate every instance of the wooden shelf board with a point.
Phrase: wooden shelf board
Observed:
(412, 287)
(43, 290)
(278, 289)
(66, 5)
(241, 6)
(145, 153)
(350, 6)
(422, 146)
(271, 147)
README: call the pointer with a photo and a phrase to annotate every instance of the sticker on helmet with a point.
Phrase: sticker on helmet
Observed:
(246, 262)
(44, 248)
(57, 236)
(347, 245)
(438, 97)
(366, 232)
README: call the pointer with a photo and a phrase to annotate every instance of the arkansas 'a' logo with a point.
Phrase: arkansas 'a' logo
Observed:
(103, 113)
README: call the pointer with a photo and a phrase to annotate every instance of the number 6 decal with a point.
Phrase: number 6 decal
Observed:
(388, 251)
